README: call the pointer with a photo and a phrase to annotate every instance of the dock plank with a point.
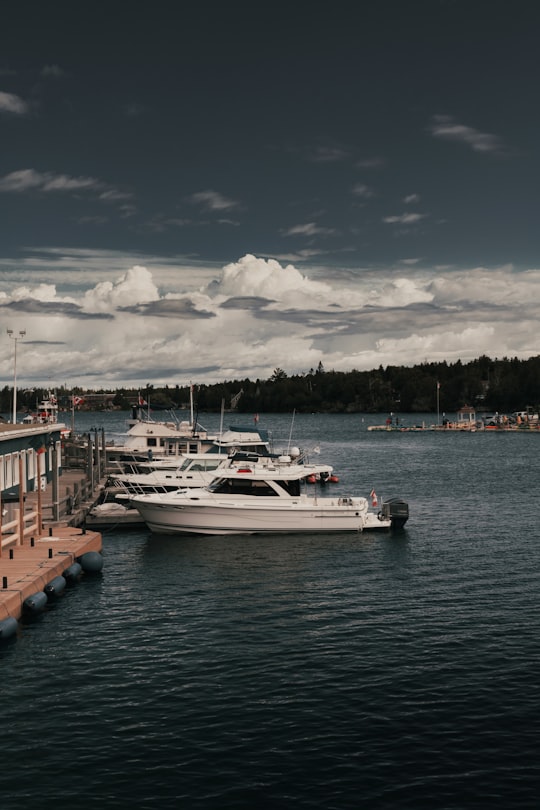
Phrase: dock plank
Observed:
(30, 568)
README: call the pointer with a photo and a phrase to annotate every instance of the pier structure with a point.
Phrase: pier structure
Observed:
(38, 565)
(44, 543)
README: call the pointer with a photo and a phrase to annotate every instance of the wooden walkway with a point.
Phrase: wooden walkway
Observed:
(28, 568)
(30, 560)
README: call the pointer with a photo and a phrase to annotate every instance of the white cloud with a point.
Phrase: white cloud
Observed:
(136, 286)
(26, 179)
(12, 104)
(329, 154)
(444, 126)
(212, 201)
(404, 219)
(42, 292)
(169, 321)
(361, 190)
(440, 345)
(267, 278)
(308, 229)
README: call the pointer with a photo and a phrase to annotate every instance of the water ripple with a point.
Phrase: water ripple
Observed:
(371, 671)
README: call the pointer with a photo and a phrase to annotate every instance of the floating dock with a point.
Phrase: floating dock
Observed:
(28, 569)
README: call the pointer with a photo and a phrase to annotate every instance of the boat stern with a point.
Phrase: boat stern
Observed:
(396, 510)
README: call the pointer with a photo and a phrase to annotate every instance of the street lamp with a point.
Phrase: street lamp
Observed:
(15, 338)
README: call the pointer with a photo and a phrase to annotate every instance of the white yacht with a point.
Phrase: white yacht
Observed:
(199, 470)
(253, 499)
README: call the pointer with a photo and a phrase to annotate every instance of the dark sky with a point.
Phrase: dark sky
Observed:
(221, 128)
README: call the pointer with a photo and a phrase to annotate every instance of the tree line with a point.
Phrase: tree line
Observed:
(503, 385)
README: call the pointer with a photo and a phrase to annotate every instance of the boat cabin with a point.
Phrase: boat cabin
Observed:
(255, 486)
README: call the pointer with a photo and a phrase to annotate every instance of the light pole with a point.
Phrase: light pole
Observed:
(15, 338)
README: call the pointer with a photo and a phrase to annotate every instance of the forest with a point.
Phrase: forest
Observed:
(503, 385)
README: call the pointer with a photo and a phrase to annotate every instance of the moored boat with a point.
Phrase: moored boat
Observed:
(199, 470)
(269, 500)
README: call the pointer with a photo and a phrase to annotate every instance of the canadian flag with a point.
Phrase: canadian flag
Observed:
(77, 400)
(142, 400)
(373, 496)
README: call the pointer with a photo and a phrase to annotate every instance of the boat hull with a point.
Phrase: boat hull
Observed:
(302, 516)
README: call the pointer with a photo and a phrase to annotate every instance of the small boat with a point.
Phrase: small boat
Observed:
(256, 499)
(112, 510)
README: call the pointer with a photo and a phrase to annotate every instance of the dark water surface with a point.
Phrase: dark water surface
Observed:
(341, 671)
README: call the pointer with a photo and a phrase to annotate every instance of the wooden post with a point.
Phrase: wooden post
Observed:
(39, 515)
(56, 505)
(98, 457)
(90, 462)
(21, 502)
(104, 449)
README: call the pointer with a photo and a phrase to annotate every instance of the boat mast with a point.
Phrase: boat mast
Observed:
(290, 434)
(221, 424)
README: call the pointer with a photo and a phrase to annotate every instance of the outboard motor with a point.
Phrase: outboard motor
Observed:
(397, 511)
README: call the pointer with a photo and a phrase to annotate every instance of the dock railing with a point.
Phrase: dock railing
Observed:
(23, 526)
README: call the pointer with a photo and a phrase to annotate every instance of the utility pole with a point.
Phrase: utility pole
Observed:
(15, 338)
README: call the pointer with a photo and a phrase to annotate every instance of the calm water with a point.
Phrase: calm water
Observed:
(369, 671)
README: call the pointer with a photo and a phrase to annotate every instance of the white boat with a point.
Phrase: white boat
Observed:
(153, 446)
(46, 413)
(199, 470)
(148, 439)
(269, 500)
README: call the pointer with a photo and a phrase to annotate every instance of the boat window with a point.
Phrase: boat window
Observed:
(292, 487)
(239, 486)
(204, 466)
(151, 442)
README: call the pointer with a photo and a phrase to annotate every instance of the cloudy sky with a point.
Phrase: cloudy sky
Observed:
(199, 193)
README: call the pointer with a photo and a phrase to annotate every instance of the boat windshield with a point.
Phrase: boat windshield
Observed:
(200, 466)
(246, 486)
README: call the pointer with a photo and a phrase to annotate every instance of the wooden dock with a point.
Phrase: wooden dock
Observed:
(42, 534)
(28, 568)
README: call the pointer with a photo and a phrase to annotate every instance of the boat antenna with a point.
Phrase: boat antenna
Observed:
(290, 433)
(221, 424)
